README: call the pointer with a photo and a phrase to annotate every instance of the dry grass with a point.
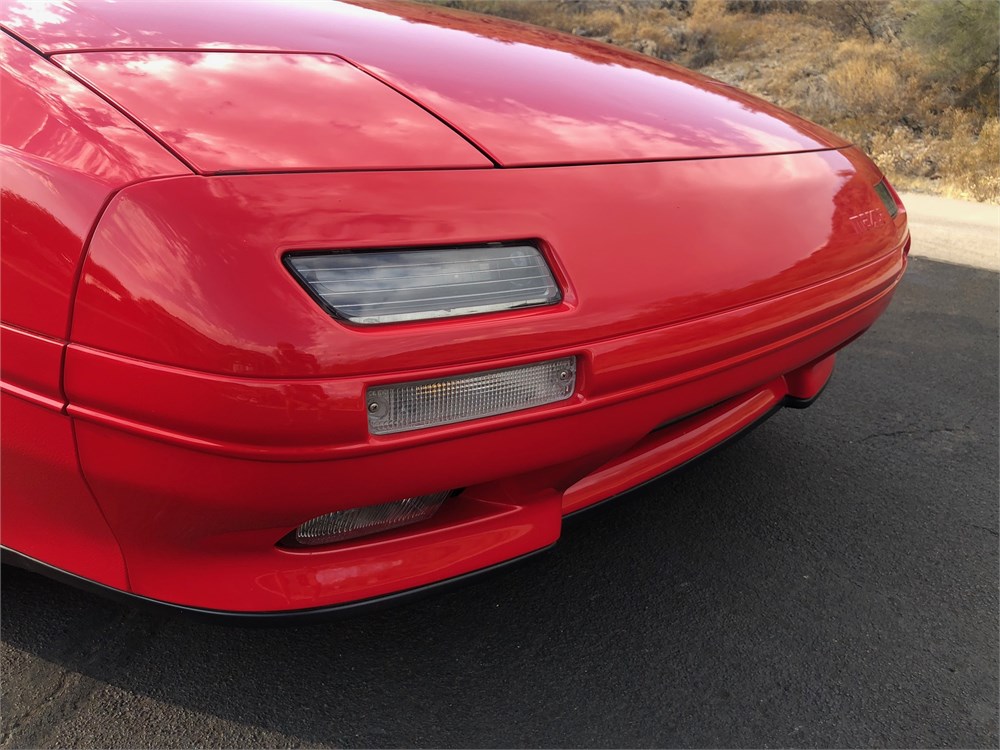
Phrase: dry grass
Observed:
(880, 93)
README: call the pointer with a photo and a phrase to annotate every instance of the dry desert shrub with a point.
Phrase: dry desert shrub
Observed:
(867, 85)
(968, 153)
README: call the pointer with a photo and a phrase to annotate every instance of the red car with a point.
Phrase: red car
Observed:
(313, 305)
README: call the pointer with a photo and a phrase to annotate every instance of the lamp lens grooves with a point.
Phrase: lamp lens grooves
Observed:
(428, 403)
(386, 286)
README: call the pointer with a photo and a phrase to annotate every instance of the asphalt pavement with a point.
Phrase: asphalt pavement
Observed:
(831, 580)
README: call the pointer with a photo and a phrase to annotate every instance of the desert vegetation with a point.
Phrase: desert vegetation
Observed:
(912, 82)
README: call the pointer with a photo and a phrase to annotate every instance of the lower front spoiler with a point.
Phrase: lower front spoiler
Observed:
(790, 402)
(282, 617)
(363, 606)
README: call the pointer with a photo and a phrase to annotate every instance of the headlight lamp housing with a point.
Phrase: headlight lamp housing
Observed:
(371, 287)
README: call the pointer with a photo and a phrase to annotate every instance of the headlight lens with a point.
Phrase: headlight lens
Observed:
(387, 286)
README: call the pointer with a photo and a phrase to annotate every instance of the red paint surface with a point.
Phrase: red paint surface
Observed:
(64, 152)
(214, 406)
(637, 246)
(226, 112)
(47, 511)
(525, 95)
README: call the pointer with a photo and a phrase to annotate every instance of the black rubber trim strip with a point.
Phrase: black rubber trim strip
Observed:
(804, 403)
(258, 619)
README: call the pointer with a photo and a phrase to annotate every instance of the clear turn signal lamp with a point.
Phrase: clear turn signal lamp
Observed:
(354, 522)
(882, 191)
(428, 403)
(387, 286)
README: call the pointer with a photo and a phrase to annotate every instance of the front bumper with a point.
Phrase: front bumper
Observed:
(213, 406)
(198, 496)
(724, 419)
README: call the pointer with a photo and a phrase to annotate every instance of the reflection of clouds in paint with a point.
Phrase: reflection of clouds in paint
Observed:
(241, 111)
(36, 13)
(544, 105)
(67, 25)
(760, 140)
(50, 115)
(543, 135)
(64, 19)
(528, 95)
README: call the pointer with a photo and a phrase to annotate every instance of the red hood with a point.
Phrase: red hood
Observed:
(523, 95)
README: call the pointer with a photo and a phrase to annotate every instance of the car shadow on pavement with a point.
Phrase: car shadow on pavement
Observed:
(829, 580)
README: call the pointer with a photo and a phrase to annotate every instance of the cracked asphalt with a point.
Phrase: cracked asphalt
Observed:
(831, 580)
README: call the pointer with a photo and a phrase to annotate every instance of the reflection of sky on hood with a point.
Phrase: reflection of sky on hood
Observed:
(527, 95)
(260, 111)
(299, 25)
(530, 105)
(48, 114)
(39, 14)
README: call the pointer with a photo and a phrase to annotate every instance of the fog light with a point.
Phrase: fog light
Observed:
(427, 403)
(355, 522)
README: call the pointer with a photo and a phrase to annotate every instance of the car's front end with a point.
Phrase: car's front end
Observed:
(298, 387)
